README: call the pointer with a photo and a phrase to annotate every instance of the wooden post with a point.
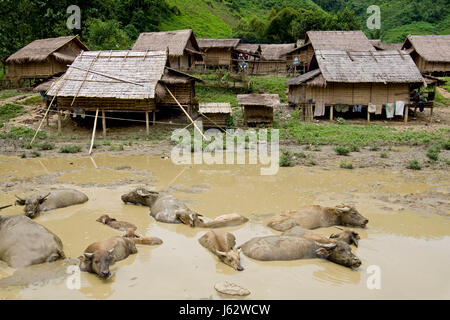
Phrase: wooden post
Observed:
(368, 114)
(431, 114)
(147, 126)
(59, 120)
(93, 132)
(405, 117)
(154, 117)
(331, 113)
(104, 123)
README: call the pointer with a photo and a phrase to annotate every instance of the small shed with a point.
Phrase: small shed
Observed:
(333, 40)
(218, 52)
(182, 44)
(44, 58)
(215, 114)
(268, 58)
(122, 81)
(355, 78)
(430, 53)
(258, 108)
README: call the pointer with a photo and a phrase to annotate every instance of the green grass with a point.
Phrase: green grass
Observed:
(22, 132)
(46, 146)
(9, 111)
(205, 94)
(286, 159)
(274, 85)
(384, 155)
(342, 151)
(360, 136)
(346, 165)
(33, 100)
(414, 165)
(433, 152)
(70, 149)
(5, 94)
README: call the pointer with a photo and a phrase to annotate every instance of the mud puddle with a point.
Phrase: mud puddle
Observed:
(408, 235)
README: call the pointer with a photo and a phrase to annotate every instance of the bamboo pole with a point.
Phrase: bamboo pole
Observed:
(93, 132)
(147, 126)
(104, 123)
(187, 114)
(4, 207)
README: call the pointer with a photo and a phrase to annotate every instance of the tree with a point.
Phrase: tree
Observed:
(107, 35)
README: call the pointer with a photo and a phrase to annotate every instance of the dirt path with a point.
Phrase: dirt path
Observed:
(18, 99)
(444, 93)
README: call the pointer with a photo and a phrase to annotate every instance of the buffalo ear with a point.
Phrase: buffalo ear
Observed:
(322, 253)
(354, 240)
(20, 201)
(221, 253)
(88, 255)
(42, 199)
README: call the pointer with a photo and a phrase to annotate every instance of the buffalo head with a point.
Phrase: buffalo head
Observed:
(231, 258)
(98, 262)
(140, 196)
(348, 236)
(32, 205)
(350, 216)
(340, 253)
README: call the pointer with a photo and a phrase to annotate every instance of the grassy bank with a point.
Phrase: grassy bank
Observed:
(9, 111)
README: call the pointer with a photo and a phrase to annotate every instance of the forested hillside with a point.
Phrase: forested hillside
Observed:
(115, 24)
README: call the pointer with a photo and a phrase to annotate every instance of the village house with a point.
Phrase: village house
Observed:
(218, 53)
(430, 53)
(123, 81)
(332, 40)
(258, 108)
(44, 58)
(342, 80)
(182, 45)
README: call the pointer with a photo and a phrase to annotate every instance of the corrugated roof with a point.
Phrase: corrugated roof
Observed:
(176, 41)
(112, 74)
(432, 48)
(363, 67)
(206, 43)
(268, 100)
(40, 50)
(214, 107)
(339, 40)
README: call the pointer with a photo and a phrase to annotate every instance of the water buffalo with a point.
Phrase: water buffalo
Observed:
(50, 200)
(222, 244)
(164, 207)
(100, 255)
(314, 217)
(226, 220)
(24, 242)
(347, 235)
(118, 225)
(138, 239)
(282, 248)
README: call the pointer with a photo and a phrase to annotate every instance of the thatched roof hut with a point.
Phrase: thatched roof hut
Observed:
(431, 53)
(215, 114)
(268, 58)
(379, 45)
(333, 40)
(182, 45)
(340, 77)
(121, 81)
(218, 52)
(258, 108)
(44, 58)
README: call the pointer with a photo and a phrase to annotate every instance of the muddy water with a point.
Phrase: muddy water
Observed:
(407, 239)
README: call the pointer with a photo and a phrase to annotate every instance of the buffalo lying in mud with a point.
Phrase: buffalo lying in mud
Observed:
(222, 244)
(118, 225)
(314, 217)
(164, 207)
(138, 239)
(347, 235)
(99, 256)
(283, 248)
(24, 242)
(226, 220)
(49, 200)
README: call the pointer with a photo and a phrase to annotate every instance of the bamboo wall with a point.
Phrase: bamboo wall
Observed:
(106, 104)
(262, 67)
(183, 92)
(217, 57)
(430, 67)
(181, 62)
(350, 94)
(258, 114)
(31, 70)
(217, 119)
(305, 54)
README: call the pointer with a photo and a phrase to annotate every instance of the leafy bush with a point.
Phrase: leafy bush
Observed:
(433, 153)
(342, 151)
(346, 165)
(286, 159)
(384, 155)
(70, 149)
(414, 165)
(46, 146)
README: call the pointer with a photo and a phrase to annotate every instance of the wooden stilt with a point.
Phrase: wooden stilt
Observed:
(147, 126)
(405, 117)
(104, 123)
(368, 115)
(431, 114)
(59, 120)
(154, 117)
(331, 112)
(93, 132)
